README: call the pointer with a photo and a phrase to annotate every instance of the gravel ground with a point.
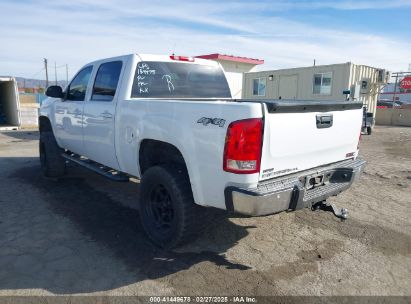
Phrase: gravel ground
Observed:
(81, 235)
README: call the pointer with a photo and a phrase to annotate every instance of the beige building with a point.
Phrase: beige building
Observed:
(234, 68)
(322, 82)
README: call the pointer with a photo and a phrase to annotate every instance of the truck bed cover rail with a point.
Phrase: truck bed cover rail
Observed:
(294, 106)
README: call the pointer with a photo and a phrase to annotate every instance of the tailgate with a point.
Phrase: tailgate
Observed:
(300, 135)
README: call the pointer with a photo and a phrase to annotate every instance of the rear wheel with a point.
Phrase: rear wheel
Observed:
(369, 130)
(51, 161)
(167, 209)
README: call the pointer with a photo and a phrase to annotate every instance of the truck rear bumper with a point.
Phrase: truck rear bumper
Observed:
(294, 191)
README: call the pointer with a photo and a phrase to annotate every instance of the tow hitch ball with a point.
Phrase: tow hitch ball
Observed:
(342, 213)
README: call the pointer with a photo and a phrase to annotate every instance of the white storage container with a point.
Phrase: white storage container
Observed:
(10, 117)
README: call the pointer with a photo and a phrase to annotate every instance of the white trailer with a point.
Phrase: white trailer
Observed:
(10, 117)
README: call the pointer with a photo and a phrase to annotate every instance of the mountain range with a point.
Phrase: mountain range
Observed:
(36, 83)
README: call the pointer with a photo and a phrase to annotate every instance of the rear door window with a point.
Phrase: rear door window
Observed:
(105, 84)
(154, 79)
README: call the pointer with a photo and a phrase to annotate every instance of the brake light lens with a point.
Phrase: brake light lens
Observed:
(182, 58)
(242, 151)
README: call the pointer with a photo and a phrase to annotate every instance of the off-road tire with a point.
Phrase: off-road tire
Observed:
(184, 225)
(51, 162)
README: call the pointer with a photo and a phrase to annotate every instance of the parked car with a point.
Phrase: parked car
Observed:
(171, 122)
(386, 103)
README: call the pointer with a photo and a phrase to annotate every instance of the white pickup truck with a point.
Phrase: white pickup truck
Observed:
(171, 122)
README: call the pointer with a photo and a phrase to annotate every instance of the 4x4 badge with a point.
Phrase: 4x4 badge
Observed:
(215, 121)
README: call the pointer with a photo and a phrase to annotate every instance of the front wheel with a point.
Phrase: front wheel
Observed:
(167, 209)
(51, 162)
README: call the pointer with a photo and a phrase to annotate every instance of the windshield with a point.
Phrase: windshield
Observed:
(153, 79)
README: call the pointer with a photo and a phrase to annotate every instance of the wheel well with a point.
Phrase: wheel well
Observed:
(154, 153)
(44, 124)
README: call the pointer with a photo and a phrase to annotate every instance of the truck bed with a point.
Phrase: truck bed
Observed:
(303, 134)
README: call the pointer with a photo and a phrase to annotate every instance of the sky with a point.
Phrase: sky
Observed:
(284, 33)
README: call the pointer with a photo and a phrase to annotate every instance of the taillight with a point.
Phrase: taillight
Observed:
(182, 58)
(242, 151)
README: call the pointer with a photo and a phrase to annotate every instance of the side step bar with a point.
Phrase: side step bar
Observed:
(97, 168)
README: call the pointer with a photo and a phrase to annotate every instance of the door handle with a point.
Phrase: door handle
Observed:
(324, 121)
(106, 115)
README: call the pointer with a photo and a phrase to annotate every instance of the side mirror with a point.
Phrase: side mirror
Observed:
(54, 91)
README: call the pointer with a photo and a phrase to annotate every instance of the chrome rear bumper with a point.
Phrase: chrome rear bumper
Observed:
(294, 191)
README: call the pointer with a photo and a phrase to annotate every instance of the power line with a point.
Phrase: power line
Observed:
(61, 66)
(35, 74)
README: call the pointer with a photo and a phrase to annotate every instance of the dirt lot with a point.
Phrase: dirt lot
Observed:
(81, 235)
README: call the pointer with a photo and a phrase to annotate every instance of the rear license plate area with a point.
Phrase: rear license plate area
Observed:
(318, 180)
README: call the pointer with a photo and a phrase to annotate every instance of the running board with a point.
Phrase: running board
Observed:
(97, 168)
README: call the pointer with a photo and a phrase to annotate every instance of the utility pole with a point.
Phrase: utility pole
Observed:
(55, 71)
(47, 74)
(67, 73)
